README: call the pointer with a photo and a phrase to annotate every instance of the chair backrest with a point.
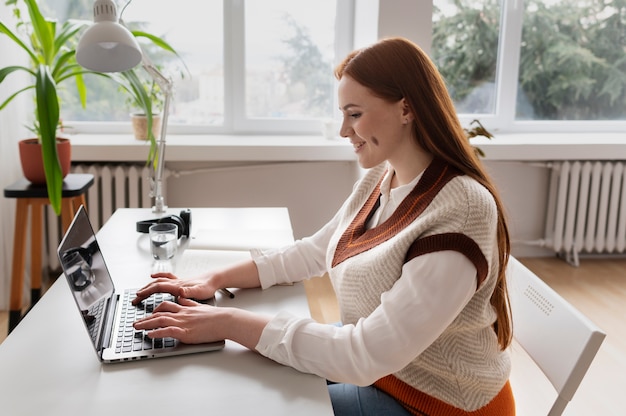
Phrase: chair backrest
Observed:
(558, 337)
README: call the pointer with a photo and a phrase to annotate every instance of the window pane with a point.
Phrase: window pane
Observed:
(572, 62)
(289, 58)
(465, 50)
(198, 78)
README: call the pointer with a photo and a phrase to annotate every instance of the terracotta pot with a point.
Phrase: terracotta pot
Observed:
(32, 162)
(140, 125)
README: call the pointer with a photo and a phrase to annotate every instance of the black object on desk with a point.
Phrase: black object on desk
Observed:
(35, 197)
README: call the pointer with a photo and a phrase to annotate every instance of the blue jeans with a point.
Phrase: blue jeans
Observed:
(351, 400)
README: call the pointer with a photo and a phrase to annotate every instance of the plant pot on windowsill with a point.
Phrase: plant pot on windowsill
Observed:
(32, 162)
(140, 125)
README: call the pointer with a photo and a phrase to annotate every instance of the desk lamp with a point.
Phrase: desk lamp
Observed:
(108, 46)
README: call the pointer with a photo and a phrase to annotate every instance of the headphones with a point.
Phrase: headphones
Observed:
(182, 221)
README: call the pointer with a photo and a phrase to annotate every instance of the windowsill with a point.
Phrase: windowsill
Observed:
(180, 148)
(520, 147)
(554, 146)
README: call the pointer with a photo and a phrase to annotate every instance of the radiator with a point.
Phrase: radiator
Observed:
(586, 208)
(116, 185)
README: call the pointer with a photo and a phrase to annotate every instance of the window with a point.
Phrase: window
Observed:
(247, 66)
(552, 65)
(265, 66)
(289, 59)
(465, 49)
(572, 61)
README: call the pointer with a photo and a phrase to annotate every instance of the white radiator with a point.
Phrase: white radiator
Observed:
(586, 208)
(116, 185)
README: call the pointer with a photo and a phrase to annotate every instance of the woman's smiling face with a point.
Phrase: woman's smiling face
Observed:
(376, 128)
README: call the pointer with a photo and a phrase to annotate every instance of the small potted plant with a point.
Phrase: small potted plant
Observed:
(50, 48)
(139, 109)
(145, 98)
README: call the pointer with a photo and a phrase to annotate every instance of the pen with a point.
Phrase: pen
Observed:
(227, 293)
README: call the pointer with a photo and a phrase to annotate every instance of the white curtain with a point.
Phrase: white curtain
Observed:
(12, 129)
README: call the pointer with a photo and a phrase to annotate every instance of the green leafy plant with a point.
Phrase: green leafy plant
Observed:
(50, 48)
(476, 129)
(144, 93)
(133, 100)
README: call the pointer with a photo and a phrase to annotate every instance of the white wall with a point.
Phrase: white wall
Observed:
(523, 187)
(313, 191)
(377, 19)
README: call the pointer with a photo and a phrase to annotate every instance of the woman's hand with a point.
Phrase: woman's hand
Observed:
(240, 275)
(200, 288)
(188, 321)
(194, 323)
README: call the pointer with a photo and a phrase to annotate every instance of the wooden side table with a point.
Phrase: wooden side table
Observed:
(35, 197)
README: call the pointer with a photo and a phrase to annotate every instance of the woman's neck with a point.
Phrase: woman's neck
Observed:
(408, 168)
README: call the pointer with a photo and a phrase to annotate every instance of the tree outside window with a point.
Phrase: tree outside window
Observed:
(572, 57)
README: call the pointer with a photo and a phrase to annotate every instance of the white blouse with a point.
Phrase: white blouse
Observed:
(431, 292)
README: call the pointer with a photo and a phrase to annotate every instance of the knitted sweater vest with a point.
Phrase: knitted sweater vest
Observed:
(464, 368)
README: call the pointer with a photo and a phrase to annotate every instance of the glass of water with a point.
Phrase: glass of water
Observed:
(163, 240)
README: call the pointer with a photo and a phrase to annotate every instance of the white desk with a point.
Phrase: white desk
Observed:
(38, 377)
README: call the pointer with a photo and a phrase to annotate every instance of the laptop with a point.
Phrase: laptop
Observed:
(106, 312)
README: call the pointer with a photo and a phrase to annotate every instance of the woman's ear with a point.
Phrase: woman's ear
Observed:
(407, 114)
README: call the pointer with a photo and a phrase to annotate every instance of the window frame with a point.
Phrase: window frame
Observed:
(235, 121)
(503, 120)
(354, 19)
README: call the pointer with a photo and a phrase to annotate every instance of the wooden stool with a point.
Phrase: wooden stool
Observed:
(36, 197)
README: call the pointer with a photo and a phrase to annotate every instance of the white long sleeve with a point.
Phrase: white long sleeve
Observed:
(431, 291)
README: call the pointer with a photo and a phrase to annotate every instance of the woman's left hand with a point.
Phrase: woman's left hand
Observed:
(195, 323)
(188, 321)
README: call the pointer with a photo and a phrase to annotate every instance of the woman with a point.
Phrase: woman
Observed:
(416, 255)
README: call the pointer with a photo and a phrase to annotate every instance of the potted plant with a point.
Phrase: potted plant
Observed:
(145, 96)
(138, 110)
(50, 48)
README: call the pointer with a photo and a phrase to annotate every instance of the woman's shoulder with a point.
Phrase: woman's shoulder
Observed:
(470, 194)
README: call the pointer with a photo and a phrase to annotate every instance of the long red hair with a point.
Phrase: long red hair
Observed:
(396, 68)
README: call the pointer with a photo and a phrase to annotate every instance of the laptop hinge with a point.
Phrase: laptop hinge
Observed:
(107, 328)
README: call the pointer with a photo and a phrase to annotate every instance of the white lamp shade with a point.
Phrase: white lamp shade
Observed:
(108, 47)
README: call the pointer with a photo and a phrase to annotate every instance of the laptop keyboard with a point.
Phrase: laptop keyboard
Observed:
(132, 340)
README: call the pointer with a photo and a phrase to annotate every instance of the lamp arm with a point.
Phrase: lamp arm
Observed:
(166, 86)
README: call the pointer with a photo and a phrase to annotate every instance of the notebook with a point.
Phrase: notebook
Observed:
(105, 310)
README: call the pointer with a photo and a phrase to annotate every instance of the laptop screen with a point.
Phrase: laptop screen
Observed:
(86, 274)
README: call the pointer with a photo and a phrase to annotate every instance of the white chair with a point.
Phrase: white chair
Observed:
(556, 336)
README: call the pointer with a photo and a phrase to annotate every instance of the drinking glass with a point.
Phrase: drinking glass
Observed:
(163, 240)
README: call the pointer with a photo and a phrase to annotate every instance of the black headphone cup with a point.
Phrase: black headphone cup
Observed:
(182, 222)
(185, 216)
(176, 220)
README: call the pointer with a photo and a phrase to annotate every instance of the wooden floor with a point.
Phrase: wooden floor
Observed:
(597, 288)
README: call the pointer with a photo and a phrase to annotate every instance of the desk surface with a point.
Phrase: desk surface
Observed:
(38, 376)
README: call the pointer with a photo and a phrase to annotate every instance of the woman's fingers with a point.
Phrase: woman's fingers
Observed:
(161, 285)
(164, 275)
(167, 306)
(159, 319)
(187, 302)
